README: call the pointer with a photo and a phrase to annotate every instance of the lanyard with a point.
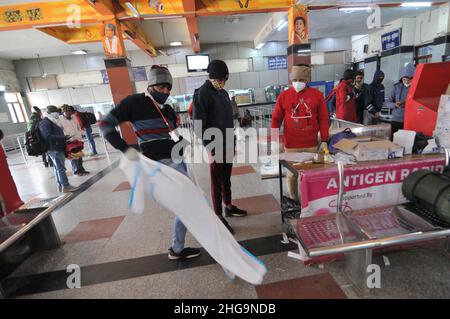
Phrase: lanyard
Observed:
(162, 115)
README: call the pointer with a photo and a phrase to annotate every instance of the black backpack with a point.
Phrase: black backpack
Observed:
(87, 118)
(34, 143)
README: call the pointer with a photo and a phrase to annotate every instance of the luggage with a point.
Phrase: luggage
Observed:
(347, 133)
(34, 144)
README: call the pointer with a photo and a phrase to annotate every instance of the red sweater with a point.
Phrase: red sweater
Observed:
(345, 110)
(301, 133)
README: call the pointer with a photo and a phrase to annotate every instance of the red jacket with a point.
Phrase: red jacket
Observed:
(301, 132)
(345, 110)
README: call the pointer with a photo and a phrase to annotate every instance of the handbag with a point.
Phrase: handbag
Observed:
(347, 133)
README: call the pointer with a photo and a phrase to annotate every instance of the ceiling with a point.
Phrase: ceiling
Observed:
(22, 44)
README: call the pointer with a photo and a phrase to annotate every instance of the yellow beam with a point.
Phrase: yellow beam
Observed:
(84, 34)
(25, 16)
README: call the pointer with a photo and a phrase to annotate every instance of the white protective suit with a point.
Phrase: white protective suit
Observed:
(190, 204)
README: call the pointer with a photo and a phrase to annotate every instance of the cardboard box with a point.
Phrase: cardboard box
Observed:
(369, 148)
(406, 139)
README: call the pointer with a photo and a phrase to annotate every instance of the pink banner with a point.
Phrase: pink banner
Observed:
(367, 185)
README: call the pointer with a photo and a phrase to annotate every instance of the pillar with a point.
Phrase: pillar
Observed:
(118, 68)
(299, 50)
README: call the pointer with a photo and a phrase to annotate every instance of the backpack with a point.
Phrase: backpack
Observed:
(87, 118)
(34, 143)
(347, 133)
(331, 102)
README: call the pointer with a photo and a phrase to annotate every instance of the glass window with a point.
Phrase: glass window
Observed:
(11, 97)
(12, 113)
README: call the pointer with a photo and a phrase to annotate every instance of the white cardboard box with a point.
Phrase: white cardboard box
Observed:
(406, 139)
(369, 148)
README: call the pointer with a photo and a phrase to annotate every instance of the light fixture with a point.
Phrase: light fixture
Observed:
(159, 17)
(416, 4)
(133, 9)
(260, 45)
(282, 25)
(175, 43)
(77, 52)
(2, 88)
(351, 9)
(304, 51)
(282, 21)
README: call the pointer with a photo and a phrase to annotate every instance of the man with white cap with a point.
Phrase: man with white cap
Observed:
(304, 113)
(155, 125)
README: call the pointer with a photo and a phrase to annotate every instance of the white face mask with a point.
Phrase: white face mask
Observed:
(298, 86)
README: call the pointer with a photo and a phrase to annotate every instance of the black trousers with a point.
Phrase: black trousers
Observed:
(395, 126)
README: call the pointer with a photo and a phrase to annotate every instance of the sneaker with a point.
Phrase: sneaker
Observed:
(85, 173)
(224, 221)
(186, 253)
(60, 188)
(69, 188)
(234, 212)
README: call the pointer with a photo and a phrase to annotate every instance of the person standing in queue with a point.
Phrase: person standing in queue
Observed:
(304, 113)
(345, 98)
(154, 123)
(213, 109)
(374, 99)
(397, 99)
(360, 89)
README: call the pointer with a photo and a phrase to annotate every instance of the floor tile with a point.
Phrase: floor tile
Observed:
(94, 229)
(124, 186)
(258, 204)
(321, 286)
(241, 170)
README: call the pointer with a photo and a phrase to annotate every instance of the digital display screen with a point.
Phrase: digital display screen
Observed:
(197, 63)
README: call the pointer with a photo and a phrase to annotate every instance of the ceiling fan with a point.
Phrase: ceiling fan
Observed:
(161, 51)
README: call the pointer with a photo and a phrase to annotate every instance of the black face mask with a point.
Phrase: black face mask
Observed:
(159, 97)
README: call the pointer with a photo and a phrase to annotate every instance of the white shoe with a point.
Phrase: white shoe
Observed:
(69, 188)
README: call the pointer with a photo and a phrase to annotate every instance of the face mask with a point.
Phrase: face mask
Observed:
(407, 84)
(159, 97)
(298, 86)
(55, 115)
(217, 85)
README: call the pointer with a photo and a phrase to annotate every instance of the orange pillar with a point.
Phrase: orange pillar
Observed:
(299, 50)
(118, 68)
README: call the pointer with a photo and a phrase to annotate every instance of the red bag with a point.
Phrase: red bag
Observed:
(74, 147)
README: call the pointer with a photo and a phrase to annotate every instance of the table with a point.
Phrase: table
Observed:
(368, 184)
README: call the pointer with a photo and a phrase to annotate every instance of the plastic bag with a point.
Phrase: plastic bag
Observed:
(188, 202)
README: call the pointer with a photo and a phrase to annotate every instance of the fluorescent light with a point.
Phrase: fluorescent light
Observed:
(282, 25)
(175, 43)
(351, 9)
(260, 45)
(79, 52)
(159, 17)
(304, 51)
(132, 9)
(416, 4)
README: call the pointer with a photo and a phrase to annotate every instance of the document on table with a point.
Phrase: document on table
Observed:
(297, 157)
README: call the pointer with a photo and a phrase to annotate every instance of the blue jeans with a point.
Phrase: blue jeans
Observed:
(77, 165)
(179, 230)
(90, 138)
(58, 158)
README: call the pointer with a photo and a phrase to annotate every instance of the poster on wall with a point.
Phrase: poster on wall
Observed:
(391, 40)
(298, 24)
(277, 62)
(139, 73)
(113, 44)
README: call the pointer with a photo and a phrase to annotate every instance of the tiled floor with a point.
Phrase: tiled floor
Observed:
(124, 255)
(321, 286)
(94, 229)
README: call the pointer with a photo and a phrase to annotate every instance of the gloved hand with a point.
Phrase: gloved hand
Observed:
(323, 146)
(131, 154)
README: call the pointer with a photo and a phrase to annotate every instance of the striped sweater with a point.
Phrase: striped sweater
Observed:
(151, 131)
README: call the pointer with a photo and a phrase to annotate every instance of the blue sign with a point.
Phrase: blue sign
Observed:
(391, 40)
(104, 76)
(139, 74)
(277, 62)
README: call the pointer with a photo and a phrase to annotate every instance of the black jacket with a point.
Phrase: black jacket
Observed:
(213, 108)
(53, 135)
(375, 97)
